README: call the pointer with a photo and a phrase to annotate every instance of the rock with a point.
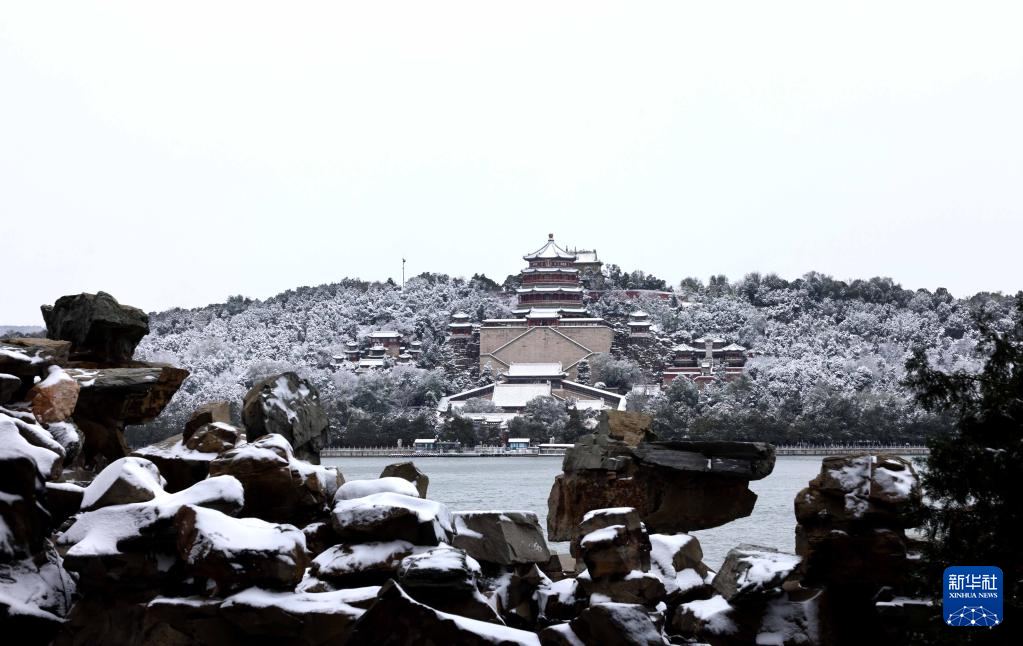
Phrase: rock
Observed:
(612, 542)
(123, 482)
(63, 500)
(288, 406)
(296, 618)
(26, 364)
(788, 621)
(561, 600)
(110, 398)
(444, 578)
(98, 327)
(33, 589)
(31, 626)
(174, 621)
(9, 387)
(676, 553)
(98, 621)
(361, 488)
(180, 467)
(319, 537)
(360, 564)
(629, 427)
(852, 519)
(240, 552)
(410, 472)
(25, 522)
(215, 437)
(616, 624)
(69, 437)
(750, 571)
(278, 487)
(218, 411)
(131, 550)
(398, 620)
(54, 398)
(560, 566)
(517, 598)
(708, 479)
(391, 516)
(876, 490)
(50, 459)
(712, 620)
(501, 537)
(874, 557)
(636, 587)
(50, 350)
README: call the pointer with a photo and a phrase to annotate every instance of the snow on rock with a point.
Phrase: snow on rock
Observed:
(361, 488)
(705, 616)
(785, 621)
(616, 623)
(19, 438)
(240, 552)
(37, 584)
(444, 578)
(278, 486)
(751, 570)
(69, 437)
(124, 481)
(560, 600)
(609, 511)
(398, 619)
(392, 516)
(99, 533)
(360, 564)
(677, 560)
(290, 406)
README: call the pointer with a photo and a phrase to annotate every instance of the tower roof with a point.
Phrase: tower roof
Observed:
(549, 250)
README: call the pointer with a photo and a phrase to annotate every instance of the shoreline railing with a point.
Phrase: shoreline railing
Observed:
(540, 451)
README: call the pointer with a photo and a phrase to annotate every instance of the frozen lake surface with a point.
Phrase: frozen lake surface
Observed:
(524, 483)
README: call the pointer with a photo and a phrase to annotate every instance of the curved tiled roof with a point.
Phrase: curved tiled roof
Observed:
(549, 250)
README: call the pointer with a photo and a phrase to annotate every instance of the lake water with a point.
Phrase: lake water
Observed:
(524, 483)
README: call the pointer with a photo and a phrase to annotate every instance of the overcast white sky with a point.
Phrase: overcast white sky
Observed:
(180, 153)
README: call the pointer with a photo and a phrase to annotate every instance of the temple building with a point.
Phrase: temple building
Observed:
(711, 357)
(391, 341)
(551, 323)
(460, 327)
(523, 382)
(639, 325)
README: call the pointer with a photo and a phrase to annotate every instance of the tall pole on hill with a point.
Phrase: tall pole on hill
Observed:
(402, 274)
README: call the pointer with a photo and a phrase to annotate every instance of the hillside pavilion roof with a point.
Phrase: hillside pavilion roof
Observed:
(549, 250)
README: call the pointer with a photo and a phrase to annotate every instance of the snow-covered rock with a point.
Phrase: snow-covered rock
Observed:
(208, 413)
(410, 472)
(278, 486)
(678, 560)
(215, 437)
(616, 624)
(706, 618)
(399, 620)
(240, 552)
(360, 564)
(501, 537)
(612, 542)
(750, 571)
(444, 578)
(123, 482)
(361, 488)
(392, 516)
(289, 406)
